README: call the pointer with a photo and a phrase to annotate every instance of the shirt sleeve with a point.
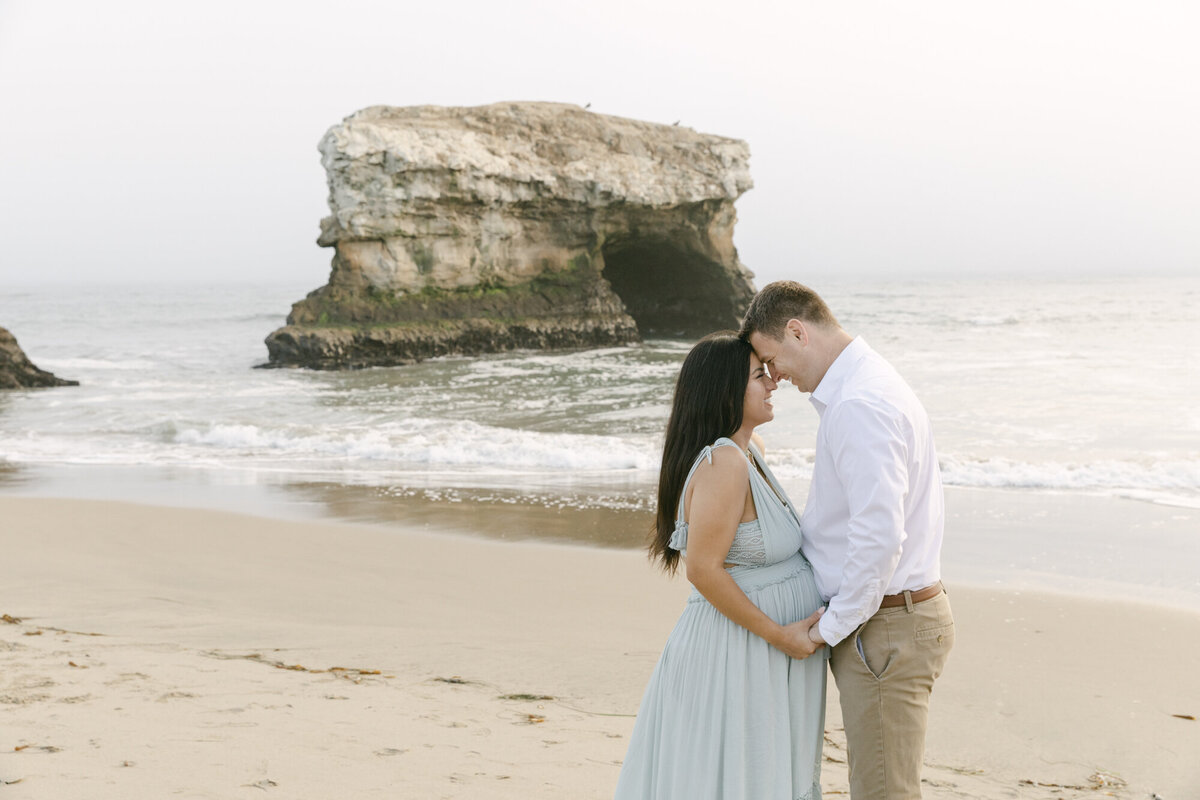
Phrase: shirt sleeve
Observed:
(870, 455)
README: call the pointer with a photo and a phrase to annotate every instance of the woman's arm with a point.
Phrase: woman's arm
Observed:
(718, 497)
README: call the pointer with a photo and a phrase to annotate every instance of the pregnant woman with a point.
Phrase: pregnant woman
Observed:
(735, 707)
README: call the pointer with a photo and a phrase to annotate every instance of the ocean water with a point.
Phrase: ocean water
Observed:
(1065, 414)
(1053, 386)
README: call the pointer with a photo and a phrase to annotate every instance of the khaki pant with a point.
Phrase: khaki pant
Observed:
(885, 672)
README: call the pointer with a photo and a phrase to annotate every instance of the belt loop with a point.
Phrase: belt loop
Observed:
(908, 603)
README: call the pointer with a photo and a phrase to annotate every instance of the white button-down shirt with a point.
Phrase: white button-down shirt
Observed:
(874, 518)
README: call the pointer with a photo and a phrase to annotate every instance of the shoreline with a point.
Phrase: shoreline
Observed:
(212, 674)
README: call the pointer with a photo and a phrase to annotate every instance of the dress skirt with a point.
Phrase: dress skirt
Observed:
(726, 715)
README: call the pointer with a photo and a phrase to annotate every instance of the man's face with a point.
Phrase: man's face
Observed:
(788, 359)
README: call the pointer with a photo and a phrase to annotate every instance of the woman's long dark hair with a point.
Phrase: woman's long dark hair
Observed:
(709, 394)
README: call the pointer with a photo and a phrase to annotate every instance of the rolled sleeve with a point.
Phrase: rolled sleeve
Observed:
(870, 457)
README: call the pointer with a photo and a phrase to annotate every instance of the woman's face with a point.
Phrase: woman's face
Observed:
(756, 407)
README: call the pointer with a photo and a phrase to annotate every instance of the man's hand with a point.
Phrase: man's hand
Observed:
(796, 639)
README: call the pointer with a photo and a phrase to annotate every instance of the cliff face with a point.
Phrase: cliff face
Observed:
(18, 372)
(469, 230)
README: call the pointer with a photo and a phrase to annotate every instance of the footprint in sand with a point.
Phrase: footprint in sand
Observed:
(390, 751)
(126, 677)
(265, 783)
(83, 698)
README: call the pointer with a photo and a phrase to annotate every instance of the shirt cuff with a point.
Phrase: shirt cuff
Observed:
(828, 631)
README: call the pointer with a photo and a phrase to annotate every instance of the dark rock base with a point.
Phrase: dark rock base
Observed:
(357, 348)
(18, 372)
(343, 326)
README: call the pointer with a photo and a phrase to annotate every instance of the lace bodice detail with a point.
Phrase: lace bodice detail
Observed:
(748, 548)
(754, 544)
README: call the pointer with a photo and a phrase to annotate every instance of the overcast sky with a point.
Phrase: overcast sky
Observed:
(177, 142)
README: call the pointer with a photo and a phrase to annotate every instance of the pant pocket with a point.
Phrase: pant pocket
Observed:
(935, 643)
(935, 633)
(873, 646)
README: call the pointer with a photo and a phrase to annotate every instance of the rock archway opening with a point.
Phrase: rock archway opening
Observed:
(669, 293)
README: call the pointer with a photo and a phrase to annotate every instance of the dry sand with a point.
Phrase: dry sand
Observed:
(157, 652)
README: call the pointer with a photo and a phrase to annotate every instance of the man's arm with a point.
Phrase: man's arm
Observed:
(869, 446)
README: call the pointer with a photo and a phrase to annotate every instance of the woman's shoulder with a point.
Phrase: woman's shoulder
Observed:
(723, 458)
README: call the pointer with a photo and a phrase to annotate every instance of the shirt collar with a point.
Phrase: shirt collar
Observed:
(837, 373)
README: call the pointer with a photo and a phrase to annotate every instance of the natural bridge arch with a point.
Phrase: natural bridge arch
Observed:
(669, 292)
(517, 225)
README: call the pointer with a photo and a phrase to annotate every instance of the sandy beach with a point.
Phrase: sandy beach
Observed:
(340, 346)
(150, 652)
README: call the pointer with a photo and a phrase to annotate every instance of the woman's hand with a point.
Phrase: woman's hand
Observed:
(794, 639)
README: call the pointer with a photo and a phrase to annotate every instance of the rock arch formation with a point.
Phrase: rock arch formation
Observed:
(517, 225)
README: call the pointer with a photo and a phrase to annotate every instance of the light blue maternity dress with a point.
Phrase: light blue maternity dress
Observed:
(725, 714)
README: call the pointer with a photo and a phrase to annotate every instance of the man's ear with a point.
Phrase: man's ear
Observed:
(796, 328)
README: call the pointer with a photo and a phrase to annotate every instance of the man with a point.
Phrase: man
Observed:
(872, 529)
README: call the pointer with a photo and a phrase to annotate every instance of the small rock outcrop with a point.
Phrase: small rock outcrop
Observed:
(18, 372)
(517, 225)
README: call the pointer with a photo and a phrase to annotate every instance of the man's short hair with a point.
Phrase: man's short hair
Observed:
(780, 301)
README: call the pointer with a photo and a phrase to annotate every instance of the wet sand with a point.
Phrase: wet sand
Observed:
(1077, 542)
